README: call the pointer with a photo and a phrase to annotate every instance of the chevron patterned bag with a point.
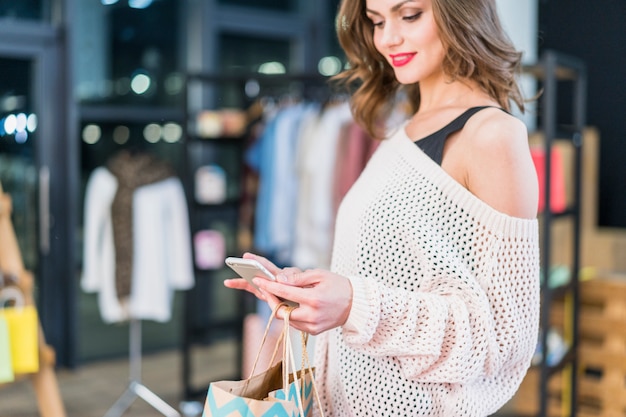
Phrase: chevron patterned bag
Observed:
(279, 391)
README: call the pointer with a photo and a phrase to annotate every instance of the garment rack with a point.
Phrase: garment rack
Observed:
(135, 387)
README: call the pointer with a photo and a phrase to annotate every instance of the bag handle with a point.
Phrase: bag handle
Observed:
(289, 362)
(11, 293)
(306, 365)
(288, 357)
(264, 339)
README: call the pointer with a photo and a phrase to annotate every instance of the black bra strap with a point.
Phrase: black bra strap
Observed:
(432, 144)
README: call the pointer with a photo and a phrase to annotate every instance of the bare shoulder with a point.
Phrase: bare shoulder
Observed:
(499, 168)
(489, 127)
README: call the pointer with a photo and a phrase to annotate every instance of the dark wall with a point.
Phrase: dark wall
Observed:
(595, 32)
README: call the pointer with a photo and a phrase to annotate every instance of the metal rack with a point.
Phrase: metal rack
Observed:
(555, 68)
(197, 330)
(136, 389)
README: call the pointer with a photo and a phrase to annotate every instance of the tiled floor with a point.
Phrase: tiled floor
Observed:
(92, 389)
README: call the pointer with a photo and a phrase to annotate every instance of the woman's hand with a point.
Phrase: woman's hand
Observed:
(242, 284)
(325, 298)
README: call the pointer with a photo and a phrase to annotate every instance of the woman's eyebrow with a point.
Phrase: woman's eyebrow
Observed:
(394, 8)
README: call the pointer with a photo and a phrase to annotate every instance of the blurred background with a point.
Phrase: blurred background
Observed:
(83, 80)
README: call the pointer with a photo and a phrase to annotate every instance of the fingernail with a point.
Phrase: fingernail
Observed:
(282, 277)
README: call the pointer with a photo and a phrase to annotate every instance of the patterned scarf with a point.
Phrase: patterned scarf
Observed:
(132, 171)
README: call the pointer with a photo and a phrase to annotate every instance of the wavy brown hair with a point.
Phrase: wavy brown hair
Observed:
(477, 49)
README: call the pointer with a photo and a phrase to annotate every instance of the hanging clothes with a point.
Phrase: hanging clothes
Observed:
(305, 157)
(317, 159)
(273, 156)
(149, 214)
(354, 149)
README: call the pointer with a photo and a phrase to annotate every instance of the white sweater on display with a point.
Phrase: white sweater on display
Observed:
(445, 310)
(162, 258)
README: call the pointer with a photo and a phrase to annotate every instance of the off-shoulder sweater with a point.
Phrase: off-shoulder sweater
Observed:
(445, 309)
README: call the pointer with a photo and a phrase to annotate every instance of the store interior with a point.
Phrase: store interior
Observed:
(174, 94)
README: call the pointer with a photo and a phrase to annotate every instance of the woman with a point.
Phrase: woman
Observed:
(431, 306)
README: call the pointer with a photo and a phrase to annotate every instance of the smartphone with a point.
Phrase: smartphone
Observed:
(250, 268)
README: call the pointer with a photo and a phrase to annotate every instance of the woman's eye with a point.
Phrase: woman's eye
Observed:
(377, 24)
(412, 17)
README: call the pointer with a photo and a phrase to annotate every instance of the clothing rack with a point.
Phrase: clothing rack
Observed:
(200, 93)
(135, 387)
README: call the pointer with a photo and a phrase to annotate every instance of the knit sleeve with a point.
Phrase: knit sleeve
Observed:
(463, 325)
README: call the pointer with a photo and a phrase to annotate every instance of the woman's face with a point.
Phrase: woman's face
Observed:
(406, 34)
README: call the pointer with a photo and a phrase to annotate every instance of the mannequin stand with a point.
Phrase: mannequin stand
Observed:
(135, 387)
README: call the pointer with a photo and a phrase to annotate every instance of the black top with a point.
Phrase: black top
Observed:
(432, 145)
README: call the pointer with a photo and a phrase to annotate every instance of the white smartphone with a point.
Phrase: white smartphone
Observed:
(250, 268)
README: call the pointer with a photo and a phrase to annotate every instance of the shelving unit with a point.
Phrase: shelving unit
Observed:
(553, 70)
(205, 319)
(203, 324)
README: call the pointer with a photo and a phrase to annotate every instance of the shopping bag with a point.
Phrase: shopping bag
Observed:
(304, 391)
(6, 366)
(279, 391)
(23, 327)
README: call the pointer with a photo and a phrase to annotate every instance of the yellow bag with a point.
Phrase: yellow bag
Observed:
(23, 328)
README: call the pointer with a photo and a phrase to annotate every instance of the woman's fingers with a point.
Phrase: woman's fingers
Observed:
(286, 276)
(325, 299)
(242, 284)
(264, 261)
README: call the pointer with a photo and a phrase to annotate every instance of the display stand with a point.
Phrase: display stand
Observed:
(44, 381)
(135, 387)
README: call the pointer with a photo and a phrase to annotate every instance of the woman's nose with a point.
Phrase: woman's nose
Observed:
(390, 35)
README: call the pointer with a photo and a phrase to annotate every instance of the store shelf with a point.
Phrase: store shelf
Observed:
(552, 71)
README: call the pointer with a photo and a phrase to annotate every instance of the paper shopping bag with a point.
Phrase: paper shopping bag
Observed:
(304, 391)
(6, 366)
(23, 328)
(280, 391)
(261, 395)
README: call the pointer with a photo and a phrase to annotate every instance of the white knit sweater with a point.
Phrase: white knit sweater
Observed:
(445, 313)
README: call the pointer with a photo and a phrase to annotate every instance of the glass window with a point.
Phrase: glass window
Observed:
(23, 9)
(282, 5)
(18, 136)
(247, 55)
(329, 25)
(100, 141)
(128, 55)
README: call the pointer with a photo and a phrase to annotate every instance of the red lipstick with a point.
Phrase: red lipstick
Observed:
(399, 60)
